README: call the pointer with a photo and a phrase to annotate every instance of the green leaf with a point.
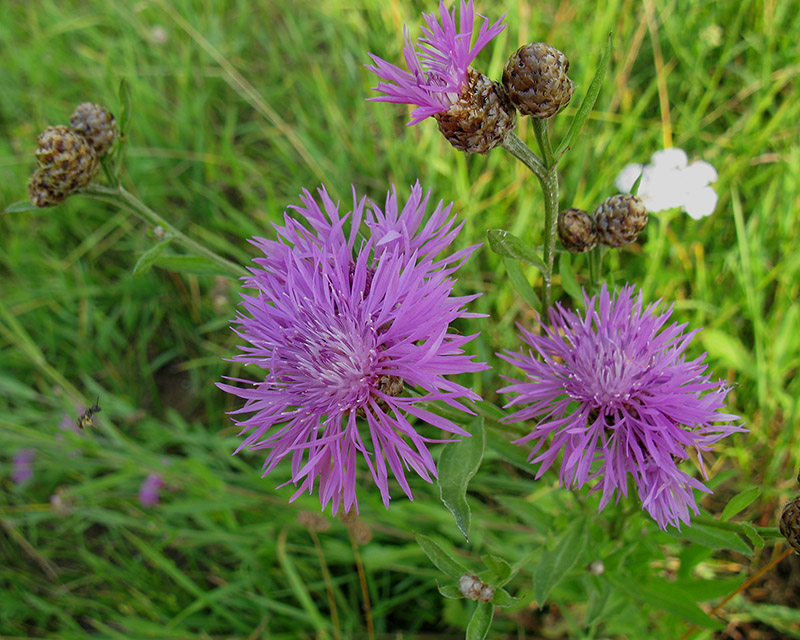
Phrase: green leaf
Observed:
(663, 596)
(481, 620)
(521, 284)
(568, 280)
(712, 537)
(457, 464)
(739, 502)
(189, 264)
(443, 560)
(22, 205)
(730, 351)
(635, 188)
(557, 563)
(588, 102)
(754, 536)
(148, 258)
(503, 598)
(506, 244)
(598, 598)
(450, 591)
(498, 566)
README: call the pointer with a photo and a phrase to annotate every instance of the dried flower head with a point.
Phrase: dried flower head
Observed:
(536, 80)
(611, 390)
(67, 162)
(620, 219)
(790, 524)
(341, 325)
(41, 193)
(576, 230)
(95, 123)
(473, 111)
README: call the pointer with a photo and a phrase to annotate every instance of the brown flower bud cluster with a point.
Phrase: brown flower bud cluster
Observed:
(536, 80)
(535, 83)
(616, 222)
(68, 156)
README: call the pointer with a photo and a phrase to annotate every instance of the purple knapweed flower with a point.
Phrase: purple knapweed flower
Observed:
(150, 490)
(341, 322)
(612, 391)
(22, 466)
(438, 72)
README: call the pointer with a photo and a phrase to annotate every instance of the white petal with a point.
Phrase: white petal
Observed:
(627, 177)
(673, 158)
(701, 203)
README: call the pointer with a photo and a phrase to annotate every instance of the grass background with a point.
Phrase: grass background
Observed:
(236, 107)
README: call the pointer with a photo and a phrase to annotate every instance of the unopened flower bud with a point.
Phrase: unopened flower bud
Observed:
(470, 586)
(535, 78)
(620, 219)
(790, 524)
(66, 159)
(576, 230)
(95, 123)
(481, 118)
(41, 193)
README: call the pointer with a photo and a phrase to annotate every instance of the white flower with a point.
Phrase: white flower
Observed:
(669, 182)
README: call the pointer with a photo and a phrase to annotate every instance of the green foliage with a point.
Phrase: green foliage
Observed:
(234, 107)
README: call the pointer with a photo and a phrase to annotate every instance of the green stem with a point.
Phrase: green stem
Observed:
(764, 532)
(122, 198)
(546, 172)
(550, 191)
(517, 148)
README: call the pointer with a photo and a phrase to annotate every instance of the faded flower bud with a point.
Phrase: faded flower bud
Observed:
(790, 524)
(95, 123)
(576, 230)
(67, 161)
(41, 193)
(472, 587)
(481, 118)
(535, 78)
(620, 219)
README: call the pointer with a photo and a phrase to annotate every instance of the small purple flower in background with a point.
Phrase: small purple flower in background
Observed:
(150, 490)
(613, 389)
(341, 323)
(438, 72)
(23, 466)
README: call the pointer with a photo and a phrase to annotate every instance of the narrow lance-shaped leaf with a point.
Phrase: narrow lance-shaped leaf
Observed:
(444, 561)
(458, 463)
(521, 284)
(148, 258)
(588, 102)
(481, 621)
(19, 207)
(557, 563)
(739, 502)
(506, 244)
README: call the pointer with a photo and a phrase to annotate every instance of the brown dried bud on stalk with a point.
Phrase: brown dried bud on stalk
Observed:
(576, 230)
(67, 161)
(620, 219)
(481, 118)
(95, 123)
(790, 524)
(42, 194)
(535, 78)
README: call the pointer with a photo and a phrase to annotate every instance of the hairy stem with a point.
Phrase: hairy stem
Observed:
(124, 199)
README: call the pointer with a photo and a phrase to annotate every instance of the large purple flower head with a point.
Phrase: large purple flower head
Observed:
(612, 391)
(341, 323)
(438, 72)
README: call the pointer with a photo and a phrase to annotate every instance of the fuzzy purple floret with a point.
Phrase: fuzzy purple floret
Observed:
(438, 71)
(613, 394)
(150, 490)
(23, 466)
(334, 315)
